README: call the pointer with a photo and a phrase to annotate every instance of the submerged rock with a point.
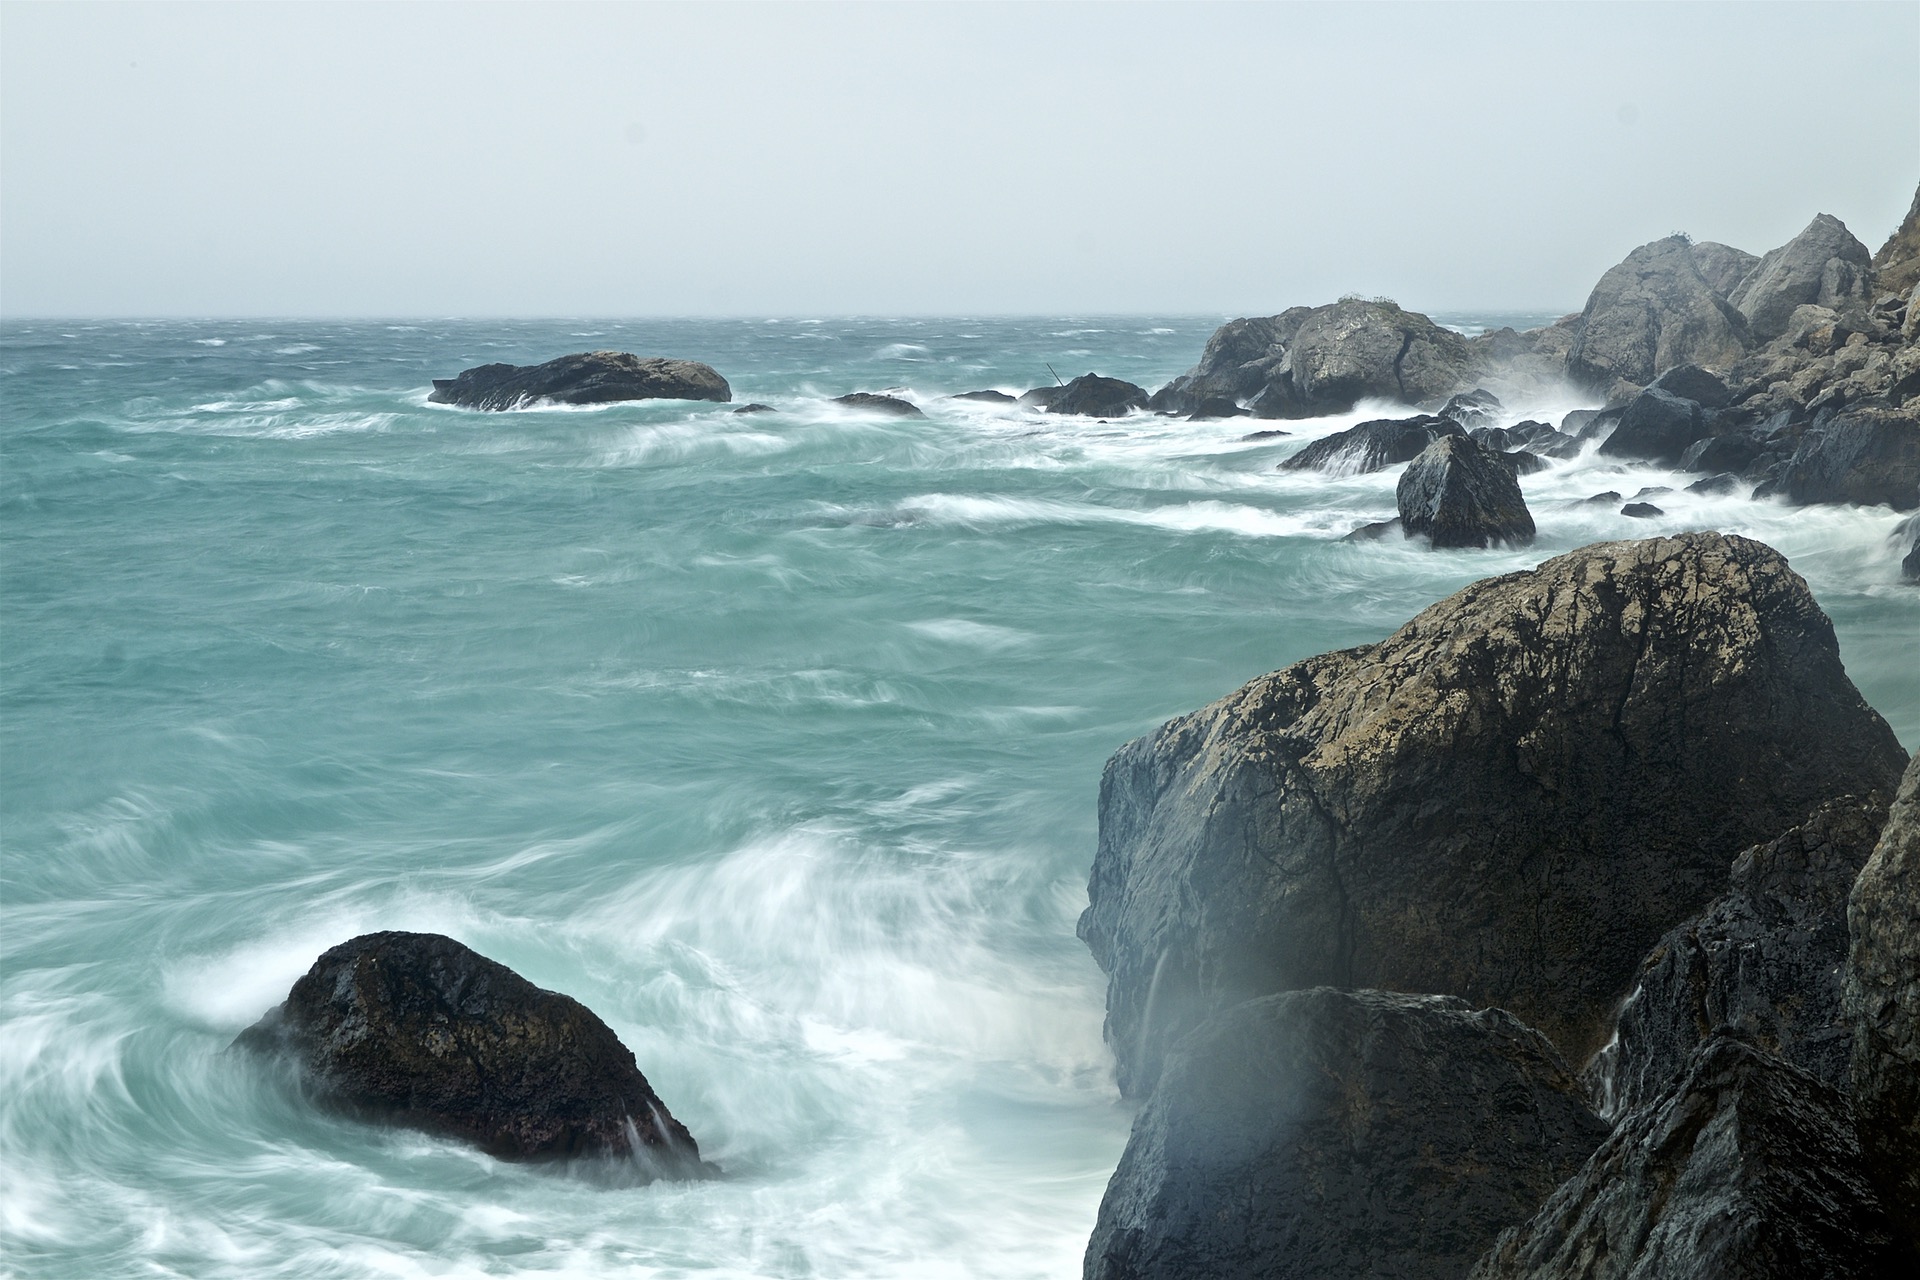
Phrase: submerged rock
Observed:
(874, 402)
(1882, 995)
(1092, 396)
(1510, 799)
(419, 1030)
(1458, 494)
(591, 377)
(1324, 1134)
(1746, 1166)
(1372, 446)
(756, 407)
(1650, 313)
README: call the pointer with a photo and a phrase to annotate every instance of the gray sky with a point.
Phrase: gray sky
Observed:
(574, 159)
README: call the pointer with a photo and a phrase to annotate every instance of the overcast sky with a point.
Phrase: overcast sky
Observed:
(780, 159)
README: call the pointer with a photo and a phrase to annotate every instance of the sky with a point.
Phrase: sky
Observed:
(448, 159)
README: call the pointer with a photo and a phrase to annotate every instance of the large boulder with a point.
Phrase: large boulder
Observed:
(1239, 358)
(1896, 266)
(1357, 349)
(1656, 426)
(1764, 958)
(1721, 265)
(1824, 266)
(1867, 456)
(1651, 312)
(416, 1029)
(1092, 396)
(1883, 1001)
(1510, 799)
(1746, 1166)
(1324, 1134)
(1458, 493)
(1372, 446)
(1691, 382)
(590, 377)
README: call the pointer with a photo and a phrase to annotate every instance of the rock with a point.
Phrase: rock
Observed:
(1239, 358)
(1264, 435)
(590, 377)
(756, 408)
(1576, 422)
(1041, 397)
(1652, 491)
(1655, 426)
(1325, 1134)
(1745, 1167)
(985, 397)
(1608, 498)
(1457, 494)
(1372, 446)
(1870, 457)
(1216, 407)
(1721, 453)
(1882, 997)
(1641, 510)
(1534, 437)
(417, 1029)
(1519, 461)
(1375, 532)
(1092, 396)
(1651, 312)
(1356, 350)
(1475, 408)
(1906, 544)
(1897, 266)
(1510, 799)
(1722, 483)
(1764, 958)
(1691, 382)
(1824, 265)
(1721, 266)
(873, 402)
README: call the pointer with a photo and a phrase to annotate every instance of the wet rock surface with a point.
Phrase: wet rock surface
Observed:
(1330, 1134)
(419, 1030)
(1871, 457)
(1656, 426)
(589, 377)
(1510, 799)
(877, 403)
(1372, 446)
(1459, 494)
(1092, 396)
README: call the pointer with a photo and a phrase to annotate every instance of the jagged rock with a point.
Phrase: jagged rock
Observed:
(1870, 457)
(1824, 265)
(590, 377)
(1764, 958)
(1746, 1166)
(1475, 408)
(1236, 364)
(1372, 446)
(1651, 312)
(1656, 426)
(1324, 1134)
(1897, 266)
(1691, 382)
(1458, 494)
(874, 402)
(1641, 510)
(1092, 396)
(1510, 799)
(1882, 995)
(1722, 483)
(756, 408)
(1721, 266)
(1721, 453)
(984, 397)
(1534, 437)
(1519, 461)
(417, 1029)
(1355, 350)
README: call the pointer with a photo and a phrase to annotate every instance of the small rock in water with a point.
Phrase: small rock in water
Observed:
(1608, 498)
(873, 402)
(588, 377)
(1652, 491)
(985, 397)
(1374, 532)
(756, 408)
(1725, 482)
(1273, 434)
(1641, 510)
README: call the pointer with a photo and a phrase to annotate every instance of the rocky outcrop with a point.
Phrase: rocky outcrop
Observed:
(1654, 311)
(1355, 350)
(1869, 456)
(1746, 1166)
(1092, 396)
(1823, 266)
(1478, 408)
(1239, 359)
(1459, 494)
(1764, 959)
(1372, 446)
(876, 403)
(1324, 1134)
(591, 377)
(1896, 266)
(1883, 1002)
(416, 1029)
(1510, 799)
(1722, 266)
(1655, 426)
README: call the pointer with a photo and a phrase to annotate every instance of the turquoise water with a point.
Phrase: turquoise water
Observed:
(774, 739)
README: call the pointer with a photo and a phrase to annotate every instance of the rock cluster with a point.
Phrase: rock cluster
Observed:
(590, 377)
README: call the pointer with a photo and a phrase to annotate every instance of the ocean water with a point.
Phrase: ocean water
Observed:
(774, 739)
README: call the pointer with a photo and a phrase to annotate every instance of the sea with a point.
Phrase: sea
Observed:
(776, 739)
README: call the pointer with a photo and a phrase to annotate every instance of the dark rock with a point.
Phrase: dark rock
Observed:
(1641, 510)
(419, 1030)
(1897, 266)
(1216, 407)
(590, 377)
(1764, 958)
(1576, 422)
(1092, 396)
(1691, 382)
(1608, 498)
(1824, 266)
(1325, 1134)
(1652, 491)
(1458, 494)
(1721, 453)
(1239, 359)
(1650, 313)
(1273, 434)
(1372, 446)
(1519, 461)
(1745, 1167)
(1722, 266)
(1906, 545)
(1534, 437)
(1355, 350)
(1724, 482)
(985, 397)
(1376, 531)
(1882, 996)
(1870, 457)
(756, 408)
(873, 402)
(1475, 408)
(1042, 397)
(1655, 426)
(1510, 799)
